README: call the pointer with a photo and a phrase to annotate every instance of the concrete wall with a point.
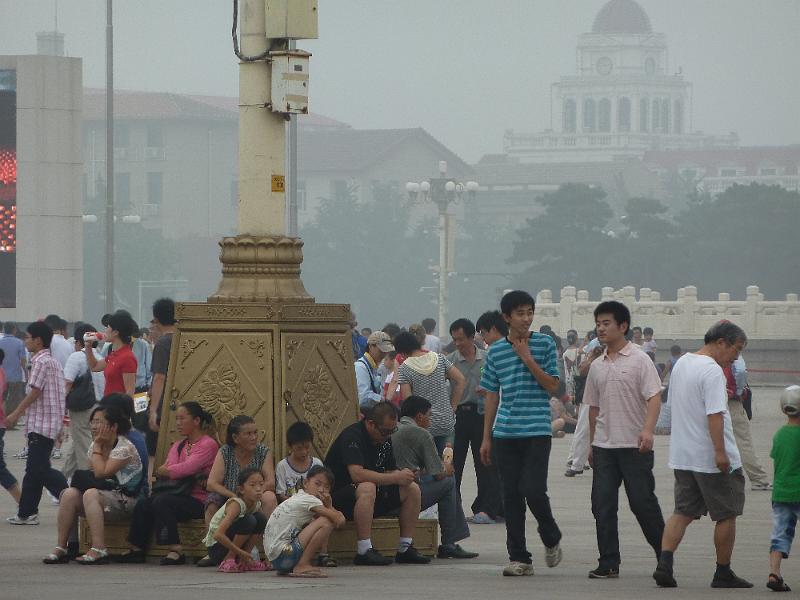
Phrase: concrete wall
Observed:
(49, 227)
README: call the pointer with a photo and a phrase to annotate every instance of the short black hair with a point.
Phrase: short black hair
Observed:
(647, 331)
(725, 331)
(406, 343)
(413, 406)
(632, 328)
(675, 349)
(53, 322)
(41, 330)
(81, 330)
(464, 325)
(298, 433)
(115, 415)
(235, 426)
(9, 327)
(164, 311)
(492, 318)
(391, 329)
(123, 401)
(246, 474)
(617, 310)
(122, 322)
(378, 413)
(429, 324)
(321, 470)
(515, 299)
(105, 319)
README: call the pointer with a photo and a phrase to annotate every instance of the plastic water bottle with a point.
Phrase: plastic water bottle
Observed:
(256, 555)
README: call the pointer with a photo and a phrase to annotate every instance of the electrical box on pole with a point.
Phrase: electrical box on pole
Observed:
(291, 19)
(290, 81)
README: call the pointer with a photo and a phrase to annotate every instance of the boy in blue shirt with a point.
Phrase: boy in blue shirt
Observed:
(524, 365)
(786, 487)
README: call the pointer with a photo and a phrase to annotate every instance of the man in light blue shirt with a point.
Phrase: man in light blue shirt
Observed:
(14, 366)
(368, 379)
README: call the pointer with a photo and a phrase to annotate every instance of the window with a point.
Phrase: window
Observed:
(728, 172)
(155, 136)
(768, 171)
(122, 135)
(604, 115)
(656, 116)
(665, 116)
(689, 174)
(122, 190)
(624, 115)
(589, 120)
(644, 105)
(570, 124)
(155, 188)
(677, 118)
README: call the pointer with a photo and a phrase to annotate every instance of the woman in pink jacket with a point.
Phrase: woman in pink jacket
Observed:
(187, 466)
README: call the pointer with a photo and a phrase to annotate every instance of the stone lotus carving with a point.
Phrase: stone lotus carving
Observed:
(319, 404)
(220, 394)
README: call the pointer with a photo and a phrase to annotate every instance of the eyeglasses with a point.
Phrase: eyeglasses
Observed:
(386, 431)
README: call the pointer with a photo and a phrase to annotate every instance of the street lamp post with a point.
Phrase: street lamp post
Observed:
(443, 191)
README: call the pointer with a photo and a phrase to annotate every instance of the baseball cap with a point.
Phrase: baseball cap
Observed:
(381, 340)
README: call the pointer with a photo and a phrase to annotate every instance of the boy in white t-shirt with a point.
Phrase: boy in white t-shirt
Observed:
(301, 526)
(290, 472)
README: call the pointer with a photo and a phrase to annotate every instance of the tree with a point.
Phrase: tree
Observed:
(569, 243)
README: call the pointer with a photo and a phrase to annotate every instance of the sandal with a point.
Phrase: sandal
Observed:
(206, 561)
(255, 565)
(131, 557)
(60, 556)
(229, 566)
(776, 583)
(168, 561)
(100, 559)
(325, 560)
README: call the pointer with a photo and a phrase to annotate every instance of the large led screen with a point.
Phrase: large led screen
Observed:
(8, 188)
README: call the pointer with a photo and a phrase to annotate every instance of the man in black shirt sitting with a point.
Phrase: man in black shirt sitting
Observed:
(369, 484)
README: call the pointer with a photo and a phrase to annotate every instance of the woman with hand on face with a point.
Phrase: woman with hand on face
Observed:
(120, 365)
(189, 459)
(115, 466)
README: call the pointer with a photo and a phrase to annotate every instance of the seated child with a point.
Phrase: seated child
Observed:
(301, 526)
(235, 527)
(292, 470)
(786, 487)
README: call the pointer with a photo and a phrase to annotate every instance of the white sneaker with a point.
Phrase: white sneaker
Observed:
(31, 520)
(553, 556)
(761, 487)
(518, 569)
(22, 453)
(56, 455)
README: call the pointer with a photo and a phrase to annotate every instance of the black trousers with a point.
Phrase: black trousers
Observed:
(251, 524)
(523, 465)
(39, 474)
(469, 432)
(162, 512)
(613, 467)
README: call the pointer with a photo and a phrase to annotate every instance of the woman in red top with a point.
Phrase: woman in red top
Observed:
(120, 366)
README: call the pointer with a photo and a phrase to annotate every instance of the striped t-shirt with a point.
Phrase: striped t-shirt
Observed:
(434, 389)
(525, 407)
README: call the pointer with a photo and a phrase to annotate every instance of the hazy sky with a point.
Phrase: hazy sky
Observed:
(465, 70)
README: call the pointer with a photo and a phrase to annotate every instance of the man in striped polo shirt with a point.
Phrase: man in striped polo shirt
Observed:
(524, 366)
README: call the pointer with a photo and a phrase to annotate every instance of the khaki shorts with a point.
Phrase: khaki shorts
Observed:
(116, 505)
(720, 495)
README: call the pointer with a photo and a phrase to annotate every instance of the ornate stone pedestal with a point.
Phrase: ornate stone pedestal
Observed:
(261, 346)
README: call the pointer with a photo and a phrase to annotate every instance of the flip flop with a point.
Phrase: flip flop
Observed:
(309, 574)
(776, 583)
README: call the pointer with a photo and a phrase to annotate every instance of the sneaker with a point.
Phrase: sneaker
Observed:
(372, 558)
(56, 454)
(761, 487)
(16, 520)
(22, 453)
(454, 551)
(664, 577)
(570, 473)
(411, 557)
(518, 569)
(604, 573)
(553, 556)
(729, 580)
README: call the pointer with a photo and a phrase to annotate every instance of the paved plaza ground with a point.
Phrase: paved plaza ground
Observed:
(23, 576)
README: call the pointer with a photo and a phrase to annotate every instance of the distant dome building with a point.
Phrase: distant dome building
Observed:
(623, 101)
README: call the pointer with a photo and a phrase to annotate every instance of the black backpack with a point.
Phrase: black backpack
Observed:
(81, 396)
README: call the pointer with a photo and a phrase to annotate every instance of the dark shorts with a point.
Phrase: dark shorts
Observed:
(387, 500)
(720, 495)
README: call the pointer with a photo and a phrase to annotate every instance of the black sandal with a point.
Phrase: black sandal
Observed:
(167, 561)
(60, 556)
(776, 583)
(131, 557)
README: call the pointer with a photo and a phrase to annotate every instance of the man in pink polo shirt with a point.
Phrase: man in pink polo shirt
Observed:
(623, 393)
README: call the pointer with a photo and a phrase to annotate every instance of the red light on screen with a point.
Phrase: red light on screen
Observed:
(8, 167)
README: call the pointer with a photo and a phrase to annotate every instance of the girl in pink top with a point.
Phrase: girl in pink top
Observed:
(190, 456)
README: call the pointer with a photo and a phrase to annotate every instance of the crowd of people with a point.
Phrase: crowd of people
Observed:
(497, 389)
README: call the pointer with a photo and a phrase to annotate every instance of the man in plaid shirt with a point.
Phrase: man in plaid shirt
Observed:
(44, 414)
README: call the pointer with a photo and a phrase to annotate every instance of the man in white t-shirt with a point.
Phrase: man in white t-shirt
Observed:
(703, 453)
(432, 342)
(60, 348)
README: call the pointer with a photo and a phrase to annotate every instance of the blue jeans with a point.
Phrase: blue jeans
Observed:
(7, 480)
(784, 520)
(444, 494)
(39, 475)
(290, 556)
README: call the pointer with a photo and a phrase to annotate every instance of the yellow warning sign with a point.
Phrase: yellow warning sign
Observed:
(278, 183)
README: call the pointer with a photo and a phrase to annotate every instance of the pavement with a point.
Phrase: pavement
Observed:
(23, 576)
